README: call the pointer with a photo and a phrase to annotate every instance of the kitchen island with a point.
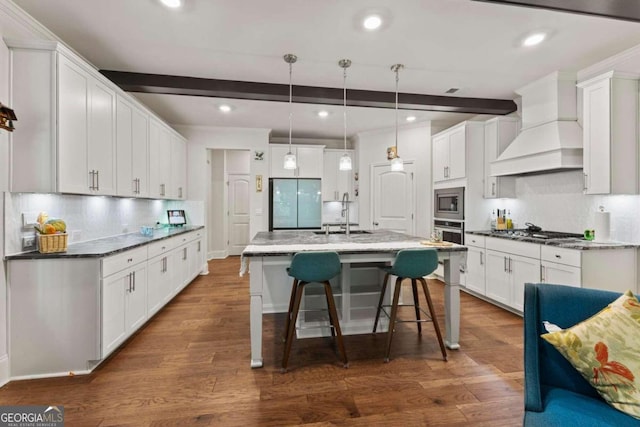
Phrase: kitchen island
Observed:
(357, 288)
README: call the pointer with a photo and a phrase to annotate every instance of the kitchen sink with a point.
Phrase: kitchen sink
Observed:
(344, 232)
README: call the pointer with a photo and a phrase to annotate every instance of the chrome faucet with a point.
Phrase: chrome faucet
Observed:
(345, 212)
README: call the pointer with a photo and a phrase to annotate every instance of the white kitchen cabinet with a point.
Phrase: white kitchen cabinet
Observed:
(610, 134)
(450, 150)
(334, 181)
(476, 261)
(178, 187)
(510, 265)
(555, 273)
(160, 272)
(132, 148)
(309, 161)
(498, 134)
(67, 113)
(124, 305)
(159, 160)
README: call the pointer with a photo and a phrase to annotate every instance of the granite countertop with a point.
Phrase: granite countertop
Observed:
(108, 245)
(566, 243)
(289, 242)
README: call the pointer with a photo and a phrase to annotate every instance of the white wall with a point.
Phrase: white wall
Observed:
(203, 138)
(4, 187)
(414, 143)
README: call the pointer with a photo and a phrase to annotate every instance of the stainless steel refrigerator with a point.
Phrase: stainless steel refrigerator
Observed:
(295, 203)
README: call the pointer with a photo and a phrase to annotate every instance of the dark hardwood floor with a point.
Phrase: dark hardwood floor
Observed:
(189, 365)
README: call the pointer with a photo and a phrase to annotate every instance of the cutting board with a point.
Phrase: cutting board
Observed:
(436, 244)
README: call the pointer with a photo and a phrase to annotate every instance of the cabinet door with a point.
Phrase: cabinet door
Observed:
(73, 128)
(330, 177)
(276, 161)
(157, 276)
(113, 311)
(497, 277)
(101, 142)
(310, 164)
(181, 268)
(140, 151)
(597, 137)
(523, 270)
(457, 154)
(159, 160)
(560, 274)
(195, 258)
(178, 168)
(475, 271)
(126, 186)
(136, 301)
(440, 158)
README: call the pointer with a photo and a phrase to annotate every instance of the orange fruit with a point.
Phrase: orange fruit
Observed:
(49, 229)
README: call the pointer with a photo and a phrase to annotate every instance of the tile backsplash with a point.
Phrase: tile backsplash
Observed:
(89, 217)
(556, 202)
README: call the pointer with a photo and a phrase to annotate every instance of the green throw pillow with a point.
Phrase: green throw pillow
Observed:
(605, 349)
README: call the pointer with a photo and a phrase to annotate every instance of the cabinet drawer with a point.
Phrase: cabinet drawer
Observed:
(561, 255)
(119, 262)
(162, 246)
(531, 250)
(187, 237)
(474, 240)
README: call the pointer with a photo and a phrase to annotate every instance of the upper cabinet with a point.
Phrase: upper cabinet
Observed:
(498, 134)
(334, 181)
(132, 148)
(610, 134)
(178, 188)
(78, 132)
(308, 157)
(449, 150)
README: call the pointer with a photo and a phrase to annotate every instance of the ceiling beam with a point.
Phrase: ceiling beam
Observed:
(194, 86)
(627, 10)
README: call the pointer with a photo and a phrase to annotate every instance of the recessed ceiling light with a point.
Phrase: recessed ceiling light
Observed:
(323, 114)
(372, 22)
(411, 118)
(224, 108)
(534, 39)
(173, 4)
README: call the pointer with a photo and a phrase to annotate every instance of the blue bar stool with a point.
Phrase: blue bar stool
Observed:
(312, 267)
(411, 264)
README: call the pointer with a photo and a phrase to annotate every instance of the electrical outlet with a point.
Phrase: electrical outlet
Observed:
(29, 243)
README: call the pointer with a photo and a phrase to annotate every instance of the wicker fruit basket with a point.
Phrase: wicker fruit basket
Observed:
(51, 243)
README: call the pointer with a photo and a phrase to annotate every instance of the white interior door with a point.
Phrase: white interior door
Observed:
(238, 203)
(393, 198)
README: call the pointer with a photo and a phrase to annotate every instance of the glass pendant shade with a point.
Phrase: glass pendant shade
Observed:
(345, 163)
(290, 161)
(397, 164)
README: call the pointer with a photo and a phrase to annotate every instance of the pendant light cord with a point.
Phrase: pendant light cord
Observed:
(397, 79)
(344, 97)
(290, 103)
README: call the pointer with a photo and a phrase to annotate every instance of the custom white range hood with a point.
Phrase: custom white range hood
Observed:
(551, 138)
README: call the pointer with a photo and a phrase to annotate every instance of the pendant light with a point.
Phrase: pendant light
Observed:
(345, 160)
(396, 162)
(290, 158)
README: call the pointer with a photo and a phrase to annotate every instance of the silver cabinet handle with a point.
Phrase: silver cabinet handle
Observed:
(180, 192)
(375, 224)
(542, 279)
(184, 254)
(97, 181)
(584, 183)
(481, 258)
(134, 281)
(558, 256)
(92, 175)
(493, 188)
(505, 265)
(510, 270)
(129, 277)
(199, 245)
(162, 189)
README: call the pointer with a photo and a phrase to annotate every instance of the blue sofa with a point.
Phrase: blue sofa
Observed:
(555, 393)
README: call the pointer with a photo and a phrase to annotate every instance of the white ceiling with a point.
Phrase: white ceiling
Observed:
(469, 45)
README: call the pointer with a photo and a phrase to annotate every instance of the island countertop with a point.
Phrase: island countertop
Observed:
(289, 242)
(108, 245)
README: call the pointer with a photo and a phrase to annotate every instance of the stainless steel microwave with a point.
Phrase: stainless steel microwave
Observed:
(448, 203)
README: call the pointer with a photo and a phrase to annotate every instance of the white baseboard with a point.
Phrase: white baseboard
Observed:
(4, 370)
(50, 375)
(218, 254)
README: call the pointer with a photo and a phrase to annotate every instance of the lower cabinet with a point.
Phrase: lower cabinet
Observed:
(159, 286)
(124, 305)
(476, 262)
(507, 270)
